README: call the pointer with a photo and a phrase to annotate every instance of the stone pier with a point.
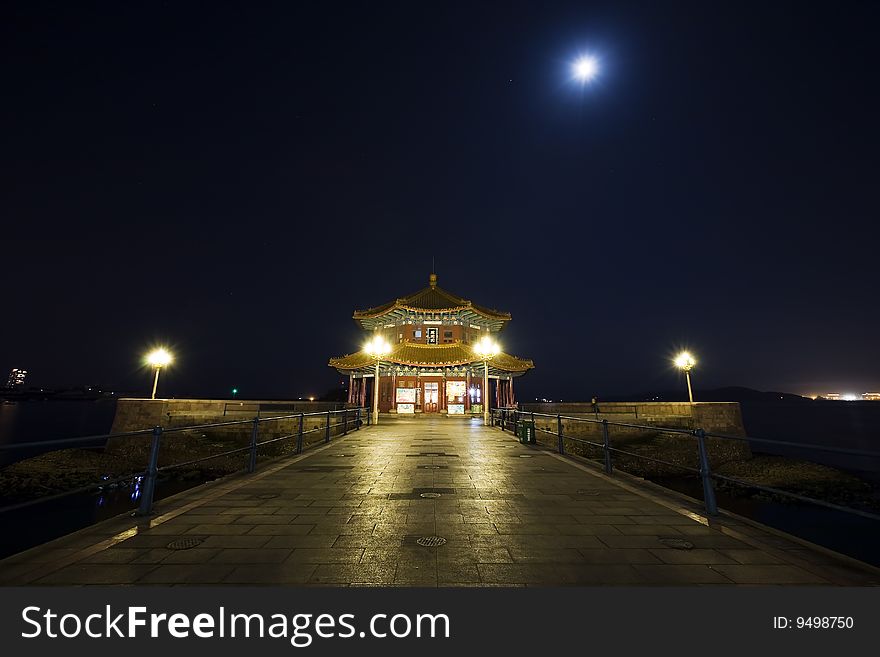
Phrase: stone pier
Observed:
(430, 501)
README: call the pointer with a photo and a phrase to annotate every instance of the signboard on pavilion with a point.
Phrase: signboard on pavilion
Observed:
(455, 391)
(406, 400)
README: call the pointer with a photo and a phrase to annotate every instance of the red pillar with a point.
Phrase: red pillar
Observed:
(512, 397)
(350, 388)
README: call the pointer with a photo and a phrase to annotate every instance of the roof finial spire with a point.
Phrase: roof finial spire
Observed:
(432, 279)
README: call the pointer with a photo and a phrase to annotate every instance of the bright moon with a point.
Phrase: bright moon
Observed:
(585, 68)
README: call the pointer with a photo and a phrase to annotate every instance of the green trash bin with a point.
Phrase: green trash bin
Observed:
(526, 432)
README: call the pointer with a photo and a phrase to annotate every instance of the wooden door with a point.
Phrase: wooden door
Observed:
(431, 397)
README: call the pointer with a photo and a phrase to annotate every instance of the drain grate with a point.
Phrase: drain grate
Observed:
(525, 456)
(267, 496)
(430, 495)
(587, 491)
(677, 543)
(184, 543)
(432, 467)
(431, 541)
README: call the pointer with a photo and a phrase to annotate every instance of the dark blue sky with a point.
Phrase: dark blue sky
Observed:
(235, 180)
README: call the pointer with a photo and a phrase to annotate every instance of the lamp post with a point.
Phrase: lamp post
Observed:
(486, 349)
(377, 347)
(684, 361)
(158, 358)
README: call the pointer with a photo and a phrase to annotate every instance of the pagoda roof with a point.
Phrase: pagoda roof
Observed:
(432, 355)
(431, 299)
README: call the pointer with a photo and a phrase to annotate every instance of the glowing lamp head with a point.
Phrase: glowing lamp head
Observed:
(585, 68)
(377, 347)
(159, 358)
(684, 361)
(487, 347)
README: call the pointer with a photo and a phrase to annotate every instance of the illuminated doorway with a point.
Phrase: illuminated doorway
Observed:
(432, 396)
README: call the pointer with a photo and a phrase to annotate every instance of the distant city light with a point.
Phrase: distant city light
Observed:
(847, 396)
(16, 378)
(585, 68)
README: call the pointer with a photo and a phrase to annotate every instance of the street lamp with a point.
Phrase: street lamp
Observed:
(377, 347)
(684, 361)
(486, 349)
(158, 358)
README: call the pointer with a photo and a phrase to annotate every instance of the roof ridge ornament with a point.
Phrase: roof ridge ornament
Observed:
(432, 280)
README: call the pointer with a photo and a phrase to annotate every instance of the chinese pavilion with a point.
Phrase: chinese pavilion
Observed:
(432, 366)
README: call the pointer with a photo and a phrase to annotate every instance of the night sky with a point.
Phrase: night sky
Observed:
(234, 181)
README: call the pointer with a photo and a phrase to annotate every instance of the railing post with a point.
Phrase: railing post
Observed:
(327, 431)
(255, 433)
(357, 419)
(706, 475)
(299, 435)
(149, 489)
(606, 442)
(345, 422)
(560, 444)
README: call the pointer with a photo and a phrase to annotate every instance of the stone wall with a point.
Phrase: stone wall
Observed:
(718, 417)
(183, 445)
(135, 414)
(678, 449)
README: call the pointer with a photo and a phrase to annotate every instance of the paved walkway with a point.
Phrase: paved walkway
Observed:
(351, 514)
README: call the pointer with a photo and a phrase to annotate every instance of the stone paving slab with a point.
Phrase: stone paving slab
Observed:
(350, 514)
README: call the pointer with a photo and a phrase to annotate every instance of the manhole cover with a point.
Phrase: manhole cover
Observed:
(431, 541)
(430, 495)
(184, 543)
(677, 543)
(267, 496)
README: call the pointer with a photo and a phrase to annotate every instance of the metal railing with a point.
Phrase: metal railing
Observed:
(511, 418)
(345, 420)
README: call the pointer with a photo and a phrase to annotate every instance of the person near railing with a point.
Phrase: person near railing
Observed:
(594, 404)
